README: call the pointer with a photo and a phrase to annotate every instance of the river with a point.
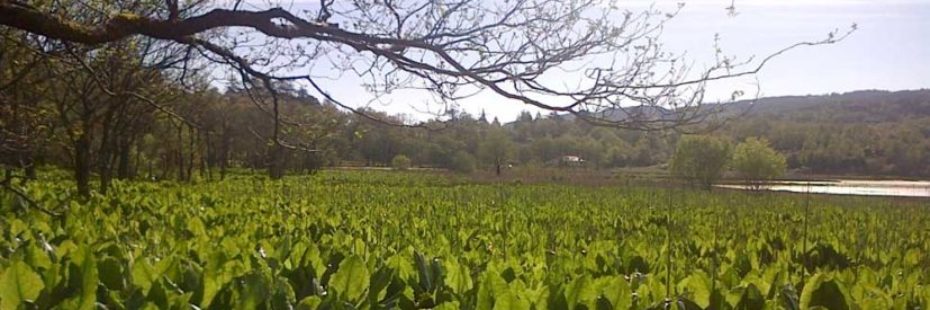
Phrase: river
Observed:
(894, 188)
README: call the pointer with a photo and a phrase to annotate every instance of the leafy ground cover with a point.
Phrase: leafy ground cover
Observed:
(375, 239)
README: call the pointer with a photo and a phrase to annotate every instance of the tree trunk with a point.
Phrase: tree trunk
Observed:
(208, 158)
(192, 150)
(30, 171)
(134, 171)
(82, 164)
(106, 176)
(105, 163)
(180, 153)
(109, 142)
(165, 165)
(276, 163)
(225, 141)
(223, 165)
(124, 156)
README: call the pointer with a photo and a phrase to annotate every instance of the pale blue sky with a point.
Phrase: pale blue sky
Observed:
(890, 50)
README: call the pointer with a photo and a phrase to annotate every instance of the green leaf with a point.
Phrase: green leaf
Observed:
(698, 285)
(789, 298)
(215, 276)
(826, 292)
(111, 273)
(580, 291)
(457, 277)
(310, 303)
(351, 280)
(83, 273)
(510, 300)
(617, 291)
(912, 258)
(38, 258)
(424, 273)
(143, 274)
(687, 304)
(255, 291)
(196, 227)
(19, 284)
(486, 292)
(751, 299)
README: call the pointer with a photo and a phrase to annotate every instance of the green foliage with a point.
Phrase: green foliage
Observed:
(351, 279)
(700, 159)
(495, 148)
(402, 240)
(19, 284)
(824, 291)
(463, 162)
(756, 162)
(400, 162)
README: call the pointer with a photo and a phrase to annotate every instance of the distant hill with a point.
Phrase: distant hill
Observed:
(863, 132)
(864, 106)
(868, 132)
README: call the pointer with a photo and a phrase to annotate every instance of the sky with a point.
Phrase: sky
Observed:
(889, 51)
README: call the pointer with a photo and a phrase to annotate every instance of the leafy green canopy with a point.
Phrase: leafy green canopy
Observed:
(700, 159)
(757, 162)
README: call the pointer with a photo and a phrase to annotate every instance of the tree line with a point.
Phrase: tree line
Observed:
(144, 124)
(702, 161)
(124, 89)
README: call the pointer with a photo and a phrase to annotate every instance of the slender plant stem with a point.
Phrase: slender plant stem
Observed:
(807, 208)
(668, 247)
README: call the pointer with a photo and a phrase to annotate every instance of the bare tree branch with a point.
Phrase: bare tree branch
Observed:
(450, 48)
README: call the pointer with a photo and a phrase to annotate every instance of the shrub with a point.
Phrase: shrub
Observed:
(463, 162)
(700, 159)
(756, 162)
(400, 162)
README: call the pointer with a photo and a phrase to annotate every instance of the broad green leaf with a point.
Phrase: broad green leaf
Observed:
(912, 258)
(457, 277)
(215, 276)
(310, 303)
(19, 284)
(751, 299)
(143, 274)
(789, 299)
(822, 290)
(86, 267)
(698, 285)
(580, 291)
(196, 227)
(510, 300)
(111, 275)
(618, 292)
(449, 305)
(351, 280)
(490, 286)
(38, 258)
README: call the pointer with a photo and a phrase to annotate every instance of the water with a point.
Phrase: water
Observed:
(893, 188)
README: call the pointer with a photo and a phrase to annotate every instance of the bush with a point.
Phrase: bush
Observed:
(463, 162)
(700, 159)
(756, 162)
(400, 162)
